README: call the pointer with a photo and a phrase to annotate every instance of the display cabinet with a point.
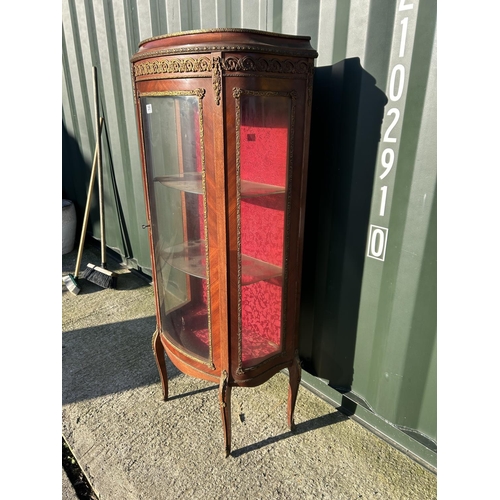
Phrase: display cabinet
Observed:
(223, 118)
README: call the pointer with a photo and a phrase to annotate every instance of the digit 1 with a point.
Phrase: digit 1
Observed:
(404, 32)
(383, 201)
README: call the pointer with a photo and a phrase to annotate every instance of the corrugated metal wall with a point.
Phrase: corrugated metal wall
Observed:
(369, 291)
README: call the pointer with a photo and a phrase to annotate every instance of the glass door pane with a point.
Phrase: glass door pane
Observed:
(264, 120)
(173, 137)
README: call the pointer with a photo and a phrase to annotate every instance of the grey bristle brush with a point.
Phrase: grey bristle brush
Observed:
(100, 276)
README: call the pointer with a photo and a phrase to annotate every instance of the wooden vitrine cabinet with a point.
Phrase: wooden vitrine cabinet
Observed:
(223, 118)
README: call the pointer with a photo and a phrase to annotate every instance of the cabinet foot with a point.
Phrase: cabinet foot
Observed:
(295, 372)
(159, 353)
(225, 410)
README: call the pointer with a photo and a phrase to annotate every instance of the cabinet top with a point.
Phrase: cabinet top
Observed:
(225, 40)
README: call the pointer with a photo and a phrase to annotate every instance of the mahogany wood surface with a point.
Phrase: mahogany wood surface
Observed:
(217, 62)
(294, 381)
(159, 353)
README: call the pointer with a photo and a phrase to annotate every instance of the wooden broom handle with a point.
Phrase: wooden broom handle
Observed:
(87, 206)
(99, 170)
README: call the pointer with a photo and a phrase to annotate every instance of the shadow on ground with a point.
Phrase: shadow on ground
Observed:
(108, 359)
(309, 425)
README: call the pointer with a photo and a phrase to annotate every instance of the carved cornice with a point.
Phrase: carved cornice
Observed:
(218, 65)
(266, 65)
(168, 66)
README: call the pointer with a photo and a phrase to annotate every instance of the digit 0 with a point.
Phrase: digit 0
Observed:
(395, 96)
(377, 243)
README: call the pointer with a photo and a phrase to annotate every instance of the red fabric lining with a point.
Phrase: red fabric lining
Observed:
(263, 158)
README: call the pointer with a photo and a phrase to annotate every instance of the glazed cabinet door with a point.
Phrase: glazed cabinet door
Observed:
(267, 160)
(172, 126)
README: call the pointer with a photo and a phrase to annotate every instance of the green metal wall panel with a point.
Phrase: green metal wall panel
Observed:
(370, 266)
(368, 317)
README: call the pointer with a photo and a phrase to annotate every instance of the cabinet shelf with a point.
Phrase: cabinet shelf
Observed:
(191, 183)
(188, 182)
(190, 258)
(254, 270)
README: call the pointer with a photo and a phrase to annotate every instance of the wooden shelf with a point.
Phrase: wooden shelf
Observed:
(190, 258)
(251, 189)
(188, 182)
(191, 183)
(254, 270)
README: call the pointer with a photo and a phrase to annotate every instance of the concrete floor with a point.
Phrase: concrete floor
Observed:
(133, 445)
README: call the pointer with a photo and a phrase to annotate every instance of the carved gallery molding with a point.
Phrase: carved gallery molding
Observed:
(228, 64)
(168, 66)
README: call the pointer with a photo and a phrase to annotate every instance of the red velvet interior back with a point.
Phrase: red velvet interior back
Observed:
(263, 159)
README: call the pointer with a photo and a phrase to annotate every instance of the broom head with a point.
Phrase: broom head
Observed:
(71, 284)
(100, 276)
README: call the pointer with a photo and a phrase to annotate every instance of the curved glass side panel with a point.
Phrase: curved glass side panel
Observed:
(264, 127)
(173, 137)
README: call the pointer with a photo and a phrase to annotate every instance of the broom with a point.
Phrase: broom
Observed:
(95, 274)
(71, 279)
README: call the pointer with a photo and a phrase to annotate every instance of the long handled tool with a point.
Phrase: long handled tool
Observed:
(71, 279)
(100, 275)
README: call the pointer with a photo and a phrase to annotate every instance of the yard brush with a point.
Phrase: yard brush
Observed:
(71, 279)
(100, 274)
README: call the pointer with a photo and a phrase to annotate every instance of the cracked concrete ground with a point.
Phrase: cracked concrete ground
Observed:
(133, 445)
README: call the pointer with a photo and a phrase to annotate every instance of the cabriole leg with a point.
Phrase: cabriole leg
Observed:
(294, 381)
(159, 353)
(225, 410)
